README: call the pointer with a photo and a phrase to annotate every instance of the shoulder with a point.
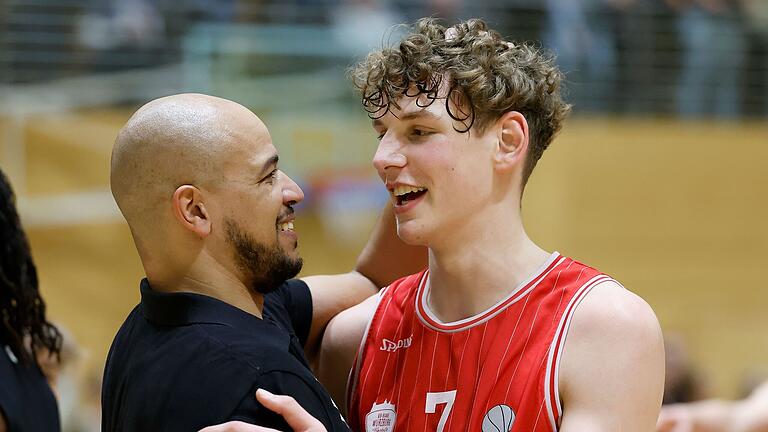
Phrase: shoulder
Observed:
(613, 361)
(616, 322)
(610, 303)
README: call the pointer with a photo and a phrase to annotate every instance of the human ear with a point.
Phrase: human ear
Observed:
(512, 139)
(189, 210)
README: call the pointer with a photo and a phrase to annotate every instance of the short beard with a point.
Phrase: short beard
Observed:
(265, 268)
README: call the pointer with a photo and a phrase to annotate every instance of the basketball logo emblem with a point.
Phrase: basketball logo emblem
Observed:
(498, 419)
(381, 418)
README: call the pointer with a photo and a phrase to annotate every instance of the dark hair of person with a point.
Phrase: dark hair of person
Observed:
(480, 74)
(23, 326)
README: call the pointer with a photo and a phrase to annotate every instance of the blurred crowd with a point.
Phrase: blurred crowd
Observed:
(687, 57)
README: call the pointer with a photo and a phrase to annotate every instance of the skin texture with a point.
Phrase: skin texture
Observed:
(612, 370)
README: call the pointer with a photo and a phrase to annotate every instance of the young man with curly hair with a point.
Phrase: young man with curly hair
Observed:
(496, 334)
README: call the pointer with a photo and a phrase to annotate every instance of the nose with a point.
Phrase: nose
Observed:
(292, 193)
(388, 156)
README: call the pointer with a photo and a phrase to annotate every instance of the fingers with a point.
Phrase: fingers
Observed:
(673, 419)
(236, 426)
(292, 412)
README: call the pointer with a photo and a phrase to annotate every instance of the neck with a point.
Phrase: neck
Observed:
(209, 277)
(480, 265)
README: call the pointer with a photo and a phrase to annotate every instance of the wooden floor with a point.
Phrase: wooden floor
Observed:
(678, 212)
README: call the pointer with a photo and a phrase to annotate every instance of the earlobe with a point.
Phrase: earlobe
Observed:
(512, 139)
(189, 210)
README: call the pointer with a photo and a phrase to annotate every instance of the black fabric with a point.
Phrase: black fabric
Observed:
(26, 401)
(184, 361)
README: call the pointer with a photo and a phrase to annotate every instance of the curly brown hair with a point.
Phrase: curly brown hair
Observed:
(484, 75)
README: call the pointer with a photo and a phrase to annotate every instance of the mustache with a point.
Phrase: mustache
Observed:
(286, 213)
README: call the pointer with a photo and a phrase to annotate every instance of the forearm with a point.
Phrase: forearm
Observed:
(385, 257)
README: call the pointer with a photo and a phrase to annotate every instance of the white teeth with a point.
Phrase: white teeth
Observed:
(404, 189)
(288, 226)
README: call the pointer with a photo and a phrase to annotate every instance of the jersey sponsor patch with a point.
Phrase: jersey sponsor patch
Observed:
(381, 418)
(392, 346)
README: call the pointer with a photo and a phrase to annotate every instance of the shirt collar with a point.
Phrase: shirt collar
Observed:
(184, 308)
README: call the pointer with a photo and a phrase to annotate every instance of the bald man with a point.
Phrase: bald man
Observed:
(211, 214)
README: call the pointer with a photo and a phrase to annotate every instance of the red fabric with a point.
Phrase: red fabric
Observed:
(498, 357)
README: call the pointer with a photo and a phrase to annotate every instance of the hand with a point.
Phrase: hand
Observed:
(675, 419)
(296, 417)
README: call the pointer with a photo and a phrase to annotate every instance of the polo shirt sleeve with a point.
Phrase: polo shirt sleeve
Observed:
(286, 383)
(294, 303)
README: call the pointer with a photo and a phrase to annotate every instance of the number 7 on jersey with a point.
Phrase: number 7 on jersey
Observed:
(437, 398)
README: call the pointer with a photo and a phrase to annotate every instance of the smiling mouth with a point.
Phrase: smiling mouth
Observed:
(287, 226)
(405, 194)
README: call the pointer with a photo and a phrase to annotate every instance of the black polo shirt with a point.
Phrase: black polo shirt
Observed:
(26, 400)
(184, 361)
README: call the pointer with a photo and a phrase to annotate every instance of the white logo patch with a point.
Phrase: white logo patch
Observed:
(392, 346)
(498, 419)
(381, 418)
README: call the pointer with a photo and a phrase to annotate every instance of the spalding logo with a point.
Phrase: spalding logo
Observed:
(499, 419)
(381, 418)
(390, 346)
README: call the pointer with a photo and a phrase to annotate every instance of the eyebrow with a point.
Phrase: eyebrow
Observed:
(412, 115)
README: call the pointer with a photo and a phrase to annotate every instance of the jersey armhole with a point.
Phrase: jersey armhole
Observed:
(551, 378)
(357, 364)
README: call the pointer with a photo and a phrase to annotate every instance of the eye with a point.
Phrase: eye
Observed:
(420, 133)
(271, 177)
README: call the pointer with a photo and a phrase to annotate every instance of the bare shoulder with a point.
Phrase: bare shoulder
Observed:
(612, 310)
(612, 368)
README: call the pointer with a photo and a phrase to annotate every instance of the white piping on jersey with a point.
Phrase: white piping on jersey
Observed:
(552, 376)
(355, 371)
(514, 296)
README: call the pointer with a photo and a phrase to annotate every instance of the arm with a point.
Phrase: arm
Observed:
(384, 259)
(748, 415)
(612, 369)
(340, 344)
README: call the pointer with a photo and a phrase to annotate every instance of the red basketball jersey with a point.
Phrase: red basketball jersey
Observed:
(493, 372)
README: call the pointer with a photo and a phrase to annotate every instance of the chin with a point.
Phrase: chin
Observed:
(412, 234)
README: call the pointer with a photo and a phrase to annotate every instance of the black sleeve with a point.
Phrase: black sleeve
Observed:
(285, 383)
(291, 306)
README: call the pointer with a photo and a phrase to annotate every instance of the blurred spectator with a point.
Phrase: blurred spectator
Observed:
(26, 400)
(682, 383)
(136, 23)
(756, 12)
(362, 25)
(638, 84)
(580, 32)
(746, 415)
(712, 39)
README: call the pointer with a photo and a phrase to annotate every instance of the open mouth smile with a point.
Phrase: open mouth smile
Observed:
(403, 194)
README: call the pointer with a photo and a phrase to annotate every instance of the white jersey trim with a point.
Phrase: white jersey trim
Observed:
(352, 378)
(552, 376)
(463, 324)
